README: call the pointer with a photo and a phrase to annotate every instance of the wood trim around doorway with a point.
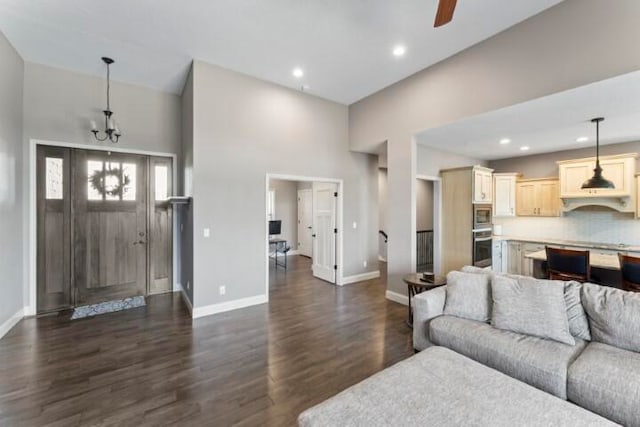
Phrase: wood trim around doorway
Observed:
(30, 250)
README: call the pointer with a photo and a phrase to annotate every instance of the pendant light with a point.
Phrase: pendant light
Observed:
(597, 180)
(111, 130)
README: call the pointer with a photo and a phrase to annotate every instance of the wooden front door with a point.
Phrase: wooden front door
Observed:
(110, 242)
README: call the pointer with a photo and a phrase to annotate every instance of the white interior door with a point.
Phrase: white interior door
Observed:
(324, 231)
(305, 222)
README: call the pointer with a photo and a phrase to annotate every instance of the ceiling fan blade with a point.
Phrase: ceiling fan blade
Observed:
(445, 12)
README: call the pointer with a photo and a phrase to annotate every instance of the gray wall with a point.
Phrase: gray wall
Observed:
(59, 104)
(424, 205)
(244, 129)
(286, 209)
(185, 213)
(548, 53)
(544, 165)
(11, 182)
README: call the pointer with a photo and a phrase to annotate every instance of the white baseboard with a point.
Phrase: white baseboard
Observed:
(396, 297)
(208, 310)
(359, 277)
(11, 322)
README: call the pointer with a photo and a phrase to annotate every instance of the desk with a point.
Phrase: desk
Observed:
(597, 260)
(278, 242)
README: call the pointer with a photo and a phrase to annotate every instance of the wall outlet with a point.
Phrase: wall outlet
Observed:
(223, 290)
(364, 263)
(206, 232)
(355, 225)
(188, 285)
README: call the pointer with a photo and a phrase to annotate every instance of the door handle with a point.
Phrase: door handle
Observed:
(139, 242)
(313, 235)
(309, 228)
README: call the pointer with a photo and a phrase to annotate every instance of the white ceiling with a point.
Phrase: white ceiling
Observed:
(547, 124)
(344, 46)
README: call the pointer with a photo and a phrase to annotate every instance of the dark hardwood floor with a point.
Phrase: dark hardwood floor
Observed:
(153, 366)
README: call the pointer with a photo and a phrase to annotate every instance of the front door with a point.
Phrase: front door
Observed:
(110, 225)
(324, 229)
(305, 222)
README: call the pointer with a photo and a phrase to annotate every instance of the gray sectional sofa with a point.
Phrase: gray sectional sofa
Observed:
(579, 342)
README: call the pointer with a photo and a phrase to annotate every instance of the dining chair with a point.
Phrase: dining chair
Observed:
(567, 264)
(630, 270)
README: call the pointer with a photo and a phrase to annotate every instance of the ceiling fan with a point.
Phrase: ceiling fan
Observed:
(444, 15)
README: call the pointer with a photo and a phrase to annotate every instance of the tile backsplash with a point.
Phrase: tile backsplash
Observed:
(598, 225)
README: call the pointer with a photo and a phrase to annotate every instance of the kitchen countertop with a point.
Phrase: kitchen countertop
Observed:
(578, 244)
(608, 261)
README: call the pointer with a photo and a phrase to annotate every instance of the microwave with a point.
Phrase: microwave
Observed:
(482, 215)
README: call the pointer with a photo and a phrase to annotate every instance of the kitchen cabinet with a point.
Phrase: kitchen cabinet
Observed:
(499, 256)
(537, 197)
(527, 265)
(514, 257)
(638, 196)
(504, 194)
(482, 185)
(619, 169)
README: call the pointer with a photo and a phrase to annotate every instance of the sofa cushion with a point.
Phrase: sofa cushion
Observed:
(531, 306)
(578, 320)
(606, 380)
(539, 362)
(438, 387)
(614, 315)
(468, 296)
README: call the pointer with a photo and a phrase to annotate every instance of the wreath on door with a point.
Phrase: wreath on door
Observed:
(99, 178)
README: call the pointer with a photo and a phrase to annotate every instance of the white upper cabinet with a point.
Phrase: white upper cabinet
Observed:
(482, 185)
(504, 195)
(618, 169)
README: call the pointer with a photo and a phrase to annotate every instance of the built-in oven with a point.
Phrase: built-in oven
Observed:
(482, 248)
(482, 215)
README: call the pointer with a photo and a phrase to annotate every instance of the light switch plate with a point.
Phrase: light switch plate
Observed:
(207, 232)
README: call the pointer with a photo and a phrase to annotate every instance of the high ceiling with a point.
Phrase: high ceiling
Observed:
(551, 123)
(343, 46)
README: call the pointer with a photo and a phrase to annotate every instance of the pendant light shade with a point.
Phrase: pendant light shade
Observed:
(597, 180)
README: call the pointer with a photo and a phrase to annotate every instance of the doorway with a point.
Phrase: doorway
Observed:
(427, 224)
(104, 226)
(302, 215)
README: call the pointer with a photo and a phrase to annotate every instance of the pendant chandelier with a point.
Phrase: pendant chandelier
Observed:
(111, 130)
(597, 180)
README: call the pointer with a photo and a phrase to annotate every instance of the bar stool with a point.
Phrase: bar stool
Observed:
(630, 270)
(566, 264)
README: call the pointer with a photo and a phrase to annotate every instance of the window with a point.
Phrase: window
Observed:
(162, 182)
(54, 176)
(271, 205)
(111, 181)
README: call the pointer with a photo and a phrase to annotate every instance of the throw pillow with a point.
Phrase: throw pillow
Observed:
(474, 269)
(531, 306)
(578, 321)
(614, 315)
(468, 296)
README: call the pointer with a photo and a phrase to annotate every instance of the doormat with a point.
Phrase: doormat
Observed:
(107, 307)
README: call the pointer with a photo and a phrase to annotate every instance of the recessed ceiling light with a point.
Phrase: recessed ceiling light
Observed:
(504, 141)
(524, 148)
(582, 139)
(399, 50)
(297, 72)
